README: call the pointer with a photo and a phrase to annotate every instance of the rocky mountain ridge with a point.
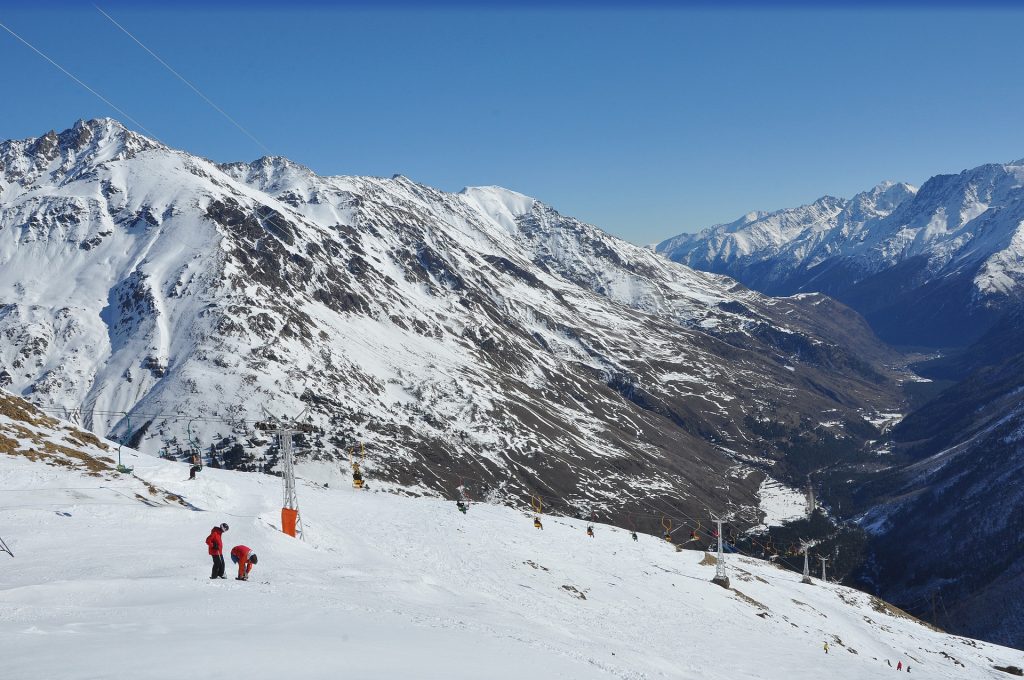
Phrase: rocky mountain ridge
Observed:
(478, 338)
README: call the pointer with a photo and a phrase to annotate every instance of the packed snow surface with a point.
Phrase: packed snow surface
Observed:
(111, 579)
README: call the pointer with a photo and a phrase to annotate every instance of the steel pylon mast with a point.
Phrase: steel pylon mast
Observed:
(805, 546)
(291, 499)
(285, 430)
(721, 577)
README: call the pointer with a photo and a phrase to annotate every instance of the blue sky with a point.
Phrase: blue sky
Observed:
(646, 122)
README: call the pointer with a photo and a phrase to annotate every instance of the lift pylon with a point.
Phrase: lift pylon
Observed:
(291, 520)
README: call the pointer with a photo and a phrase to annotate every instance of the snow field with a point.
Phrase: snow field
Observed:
(397, 587)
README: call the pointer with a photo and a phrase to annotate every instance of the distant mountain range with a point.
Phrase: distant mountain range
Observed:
(935, 266)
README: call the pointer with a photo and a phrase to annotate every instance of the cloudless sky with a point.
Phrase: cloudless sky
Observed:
(646, 122)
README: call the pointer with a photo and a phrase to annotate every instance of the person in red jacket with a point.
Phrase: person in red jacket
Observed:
(244, 557)
(215, 543)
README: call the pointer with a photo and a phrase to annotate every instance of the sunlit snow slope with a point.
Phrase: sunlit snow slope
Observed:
(110, 579)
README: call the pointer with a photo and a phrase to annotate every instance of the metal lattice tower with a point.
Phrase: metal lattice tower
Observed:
(823, 561)
(805, 546)
(285, 431)
(721, 577)
(291, 499)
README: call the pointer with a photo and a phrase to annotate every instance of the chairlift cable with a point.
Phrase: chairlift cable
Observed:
(184, 80)
(75, 78)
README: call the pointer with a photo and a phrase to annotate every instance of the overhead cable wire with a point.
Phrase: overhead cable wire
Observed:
(269, 219)
(184, 80)
(77, 80)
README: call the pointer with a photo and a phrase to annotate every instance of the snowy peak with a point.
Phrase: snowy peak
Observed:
(959, 233)
(502, 205)
(879, 201)
(59, 156)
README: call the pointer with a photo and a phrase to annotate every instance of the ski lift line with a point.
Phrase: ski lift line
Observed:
(66, 488)
(105, 101)
(77, 80)
(222, 112)
(99, 96)
(184, 80)
(65, 504)
(674, 512)
(166, 416)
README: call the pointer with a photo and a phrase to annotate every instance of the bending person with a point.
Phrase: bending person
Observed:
(245, 558)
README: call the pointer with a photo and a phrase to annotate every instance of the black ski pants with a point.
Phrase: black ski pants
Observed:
(218, 566)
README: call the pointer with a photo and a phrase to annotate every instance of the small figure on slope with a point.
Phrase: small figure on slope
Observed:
(826, 647)
(215, 544)
(537, 524)
(197, 465)
(590, 530)
(899, 665)
(633, 534)
(245, 558)
(461, 506)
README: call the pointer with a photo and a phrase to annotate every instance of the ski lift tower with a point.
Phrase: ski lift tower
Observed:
(810, 502)
(804, 547)
(291, 521)
(721, 577)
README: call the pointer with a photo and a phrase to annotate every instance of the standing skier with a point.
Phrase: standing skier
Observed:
(244, 557)
(215, 542)
(826, 647)
(899, 665)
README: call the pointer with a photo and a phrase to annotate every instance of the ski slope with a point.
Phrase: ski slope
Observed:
(110, 580)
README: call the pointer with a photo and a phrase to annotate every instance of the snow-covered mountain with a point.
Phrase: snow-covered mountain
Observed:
(110, 579)
(159, 297)
(934, 266)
